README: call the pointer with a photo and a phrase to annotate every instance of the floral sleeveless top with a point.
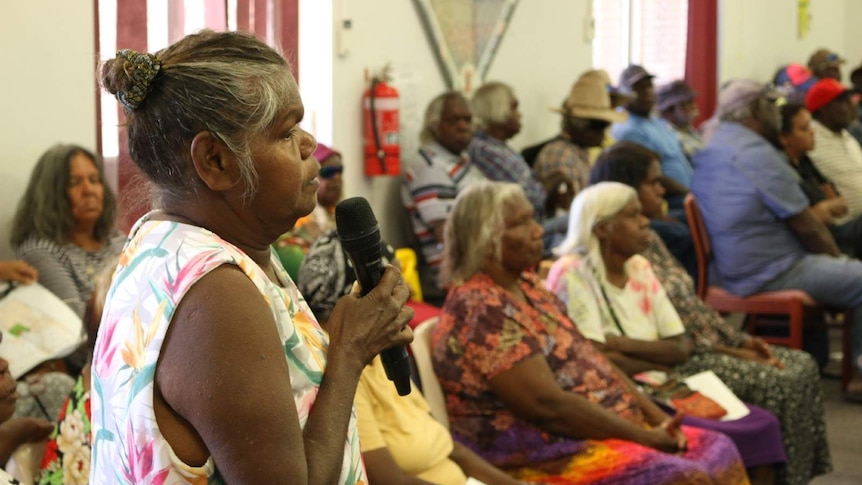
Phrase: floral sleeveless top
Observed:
(160, 262)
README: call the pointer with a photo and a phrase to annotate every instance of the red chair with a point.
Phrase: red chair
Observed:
(796, 305)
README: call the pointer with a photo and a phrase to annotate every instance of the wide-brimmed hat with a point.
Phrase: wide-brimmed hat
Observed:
(618, 98)
(674, 93)
(740, 92)
(589, 99)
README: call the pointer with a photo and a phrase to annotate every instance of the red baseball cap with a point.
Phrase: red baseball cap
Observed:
(823, 92)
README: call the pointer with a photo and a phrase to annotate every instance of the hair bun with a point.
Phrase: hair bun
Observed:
(129, 76)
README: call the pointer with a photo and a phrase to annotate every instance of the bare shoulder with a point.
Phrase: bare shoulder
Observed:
(222, 338)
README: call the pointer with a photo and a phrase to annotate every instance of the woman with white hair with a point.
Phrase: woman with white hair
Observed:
(612, 294)
(524, 389)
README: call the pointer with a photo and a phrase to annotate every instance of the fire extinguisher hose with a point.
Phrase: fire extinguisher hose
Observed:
(381, 155)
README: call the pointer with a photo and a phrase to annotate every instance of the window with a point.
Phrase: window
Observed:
(150, 25)
(167, 21)
(652, 33)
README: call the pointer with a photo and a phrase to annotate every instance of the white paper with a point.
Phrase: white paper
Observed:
(712, 387)
(37, 326)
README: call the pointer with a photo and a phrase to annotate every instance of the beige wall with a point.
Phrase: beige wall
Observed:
(47, 89)
(48, 92)
(756, 37)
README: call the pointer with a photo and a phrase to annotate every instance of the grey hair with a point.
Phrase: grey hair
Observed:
(474, 229)
(230, 84)
(44, 210)
(434, 114)
(759, 109)
(592, 206)
(492, 105)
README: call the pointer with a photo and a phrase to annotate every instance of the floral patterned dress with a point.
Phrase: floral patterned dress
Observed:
(793, 394)
(484, 332)
(67, 456)
(161, 261)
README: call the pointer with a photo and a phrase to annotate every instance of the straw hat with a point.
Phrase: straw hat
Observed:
(589, 98)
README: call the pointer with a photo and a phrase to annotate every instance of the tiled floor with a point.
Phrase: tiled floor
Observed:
(844, 428)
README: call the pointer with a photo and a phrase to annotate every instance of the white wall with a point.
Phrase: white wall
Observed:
(47, 89)
(756, 37)
(397, 37)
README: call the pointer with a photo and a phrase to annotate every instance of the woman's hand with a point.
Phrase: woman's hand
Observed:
(365, 326)
(667, 436)
(762, 352)
(18, 271)
(16, 432)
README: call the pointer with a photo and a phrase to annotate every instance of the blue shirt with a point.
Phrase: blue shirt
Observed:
(499, 162)
(651, 133)
(746, 191)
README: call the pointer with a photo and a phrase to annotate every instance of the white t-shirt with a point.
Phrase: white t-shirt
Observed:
(642, 308)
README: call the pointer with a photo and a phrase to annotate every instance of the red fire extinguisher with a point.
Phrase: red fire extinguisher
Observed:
(380, 106)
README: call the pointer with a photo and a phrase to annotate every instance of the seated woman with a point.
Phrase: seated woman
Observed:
(294, 245)
(525, 390)
(784, 381)
(617, 302)
(402, 444)
(40, 391)
(64, 224)
(797, 138)
(67, 455)
(17, 431)
(64, 227)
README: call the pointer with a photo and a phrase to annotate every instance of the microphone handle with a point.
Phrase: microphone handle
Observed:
(396, 363)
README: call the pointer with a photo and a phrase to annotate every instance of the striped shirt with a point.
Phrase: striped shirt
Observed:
(431, 182)
(839, 158)
(69, 271)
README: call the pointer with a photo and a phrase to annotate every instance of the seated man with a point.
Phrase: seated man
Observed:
(825, 64)
(441, 169)
(764, 235)
(797, 139)
(587, 114)
(496, 116)
(836, 153)
(644, 129)
(617, 99)
(497, 119)
(676, 106)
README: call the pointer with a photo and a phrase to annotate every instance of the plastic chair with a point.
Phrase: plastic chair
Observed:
(431, 389)
(407, 260)
(795, 304)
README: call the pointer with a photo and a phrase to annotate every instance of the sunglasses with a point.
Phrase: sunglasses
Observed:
(599, 125)
(331, 171)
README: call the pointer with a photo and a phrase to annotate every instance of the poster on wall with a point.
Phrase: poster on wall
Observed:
(465, 36)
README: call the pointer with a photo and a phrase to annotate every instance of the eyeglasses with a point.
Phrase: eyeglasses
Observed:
(330, 171)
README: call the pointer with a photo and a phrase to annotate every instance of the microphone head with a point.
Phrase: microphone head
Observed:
(354, 220)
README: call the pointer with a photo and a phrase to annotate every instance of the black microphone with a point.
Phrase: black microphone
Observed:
(360, 237)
